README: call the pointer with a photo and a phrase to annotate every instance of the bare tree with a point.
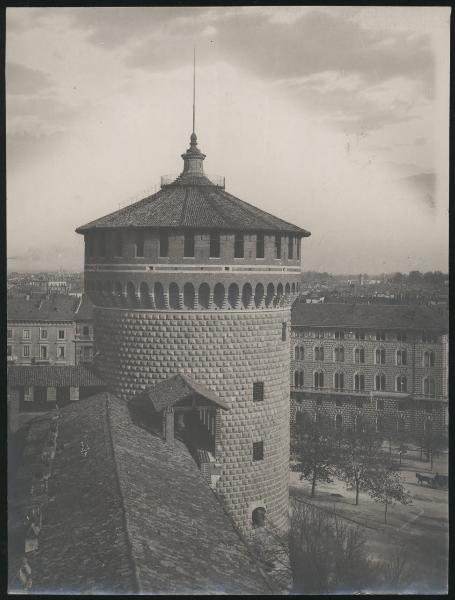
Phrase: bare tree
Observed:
(386, 486)
(313, 449)
(360, 455)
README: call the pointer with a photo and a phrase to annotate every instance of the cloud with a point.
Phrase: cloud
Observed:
(21, 80)
(423, 185)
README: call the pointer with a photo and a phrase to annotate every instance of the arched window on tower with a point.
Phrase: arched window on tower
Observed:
(174, 300)
(338, 380)
(188, 295)
(218, 295)
(258, 294)
(247, 295)
(270, 294)
(258, 517)
(233, 295)
(204, 295)
(144, 295)
(131, 293)
(159, 295)
(339, 422)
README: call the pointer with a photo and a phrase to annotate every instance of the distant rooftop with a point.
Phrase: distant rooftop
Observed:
(368, 316)
(131, 515)
(55, 307)
(53, 376)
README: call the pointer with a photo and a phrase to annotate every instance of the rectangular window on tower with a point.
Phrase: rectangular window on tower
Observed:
(214, 245)
(118, 243)
(258, 391)
(258, 451)
(278, 246)
(140, 244)
(291, 247)
(164, 244)
(284, 328)
(260, 245)
(188, 245)
(238, 245)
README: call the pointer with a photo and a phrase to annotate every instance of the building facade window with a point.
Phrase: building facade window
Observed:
(427, 338)
(298, 378)
(297, 245)
(339, 335)
(359, 382)
(379, 404)
(61, 334)
(380, 336)
(140, 244)
(43, 334)
(318, 380)
(43, 352)
(260, 245)
(258, 451)
(428, 359)
(86, 330)
(26, 351)
(10, 334)
(401, 383)
(284, 329)
(428, 386)
(239, 245)
(338, 381)
(380, 356)
(164, 244)
(299, 353)
(214, 245)
(319, 353)
(359, 335)
(339, 422)
(258, 391)
(380, 382)
(26, 334)
(339, 354)
(401, 357)
(359, 355)
(278, 246)
(60, 351)
(9, 350)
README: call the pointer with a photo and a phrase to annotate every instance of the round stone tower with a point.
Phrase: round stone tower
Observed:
(192, 280)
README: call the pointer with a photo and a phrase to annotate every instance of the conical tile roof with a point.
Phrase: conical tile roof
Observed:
(192, 201)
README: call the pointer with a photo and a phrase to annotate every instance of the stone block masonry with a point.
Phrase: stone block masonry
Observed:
(227, 351)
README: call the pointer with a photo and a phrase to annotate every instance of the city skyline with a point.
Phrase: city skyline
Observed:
(302, 124)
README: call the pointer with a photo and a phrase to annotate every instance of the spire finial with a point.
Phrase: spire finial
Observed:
(194, 88)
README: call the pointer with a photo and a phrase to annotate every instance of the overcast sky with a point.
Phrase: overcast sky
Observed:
(335, 119)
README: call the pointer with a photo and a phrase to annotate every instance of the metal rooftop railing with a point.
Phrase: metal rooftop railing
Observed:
(217, 180)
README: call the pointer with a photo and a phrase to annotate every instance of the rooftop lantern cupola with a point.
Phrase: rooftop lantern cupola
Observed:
(193, 158)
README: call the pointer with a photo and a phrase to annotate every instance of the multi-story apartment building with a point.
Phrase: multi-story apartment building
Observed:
(83, 339)
(386, 365)
(48, 329)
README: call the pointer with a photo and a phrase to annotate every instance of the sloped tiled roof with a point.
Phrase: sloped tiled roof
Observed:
(57, 307)
(194, 202)
(177, 388)
(131, 515)
(368, 316)
(85, 310)
(53, 376)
